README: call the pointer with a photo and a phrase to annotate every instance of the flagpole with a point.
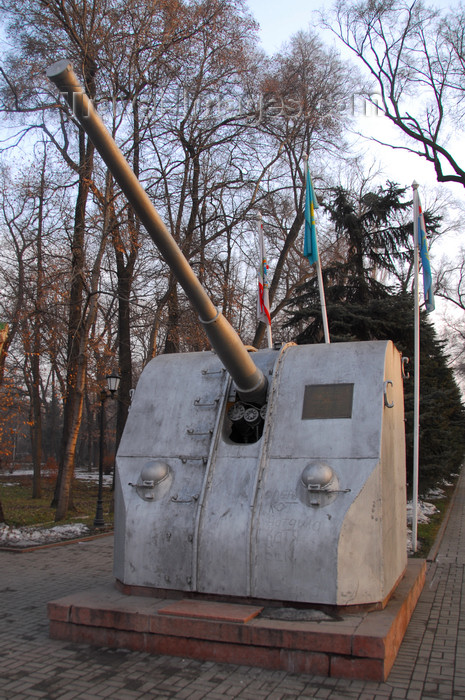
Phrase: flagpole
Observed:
(416, 370)
(319, 275)
(323, 300)
(269, 338)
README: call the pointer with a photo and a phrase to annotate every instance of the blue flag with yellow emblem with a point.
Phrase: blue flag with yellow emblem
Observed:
(311, 203)
(425, 263)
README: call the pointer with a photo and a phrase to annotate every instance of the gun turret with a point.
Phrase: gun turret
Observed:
(301, 499)
(250, 381)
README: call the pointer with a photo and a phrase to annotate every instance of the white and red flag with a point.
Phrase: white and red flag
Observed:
(263, 300)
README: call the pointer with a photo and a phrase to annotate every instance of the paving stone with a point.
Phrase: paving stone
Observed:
(430, 663)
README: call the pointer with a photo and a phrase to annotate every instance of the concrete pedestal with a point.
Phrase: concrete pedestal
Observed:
(360, 645)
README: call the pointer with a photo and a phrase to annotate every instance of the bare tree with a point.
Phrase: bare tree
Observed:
(414, 54)
(31, 216)
(214, 132)
(303, 91)
(198, 151)
(90, 33)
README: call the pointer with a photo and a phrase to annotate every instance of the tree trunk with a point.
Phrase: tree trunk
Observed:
(3, 352)
(75, 413)
(73, 403)
(36, 407)
(75, 417)
(125, 355)
(125, 265)
(89, 442)
(36, 428)
(4, 342)
(172, 332)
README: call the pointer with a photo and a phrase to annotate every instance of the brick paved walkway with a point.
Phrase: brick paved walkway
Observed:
(430, 664)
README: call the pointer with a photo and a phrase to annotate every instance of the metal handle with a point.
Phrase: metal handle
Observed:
(189, 499)
(198, 402)
(386, 400)
(405, 361)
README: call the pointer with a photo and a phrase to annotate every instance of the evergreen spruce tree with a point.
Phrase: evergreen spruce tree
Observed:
(373, 244)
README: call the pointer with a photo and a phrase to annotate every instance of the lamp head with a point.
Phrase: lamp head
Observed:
(113, 381)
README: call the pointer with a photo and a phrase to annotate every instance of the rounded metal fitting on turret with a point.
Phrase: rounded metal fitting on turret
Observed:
(154, 481)
(318, 485)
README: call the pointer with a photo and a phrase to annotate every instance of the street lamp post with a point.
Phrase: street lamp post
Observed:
(113, 381)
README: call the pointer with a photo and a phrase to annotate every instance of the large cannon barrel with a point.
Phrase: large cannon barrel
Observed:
(250, 381)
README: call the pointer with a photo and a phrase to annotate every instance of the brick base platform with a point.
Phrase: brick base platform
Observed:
(356, 645)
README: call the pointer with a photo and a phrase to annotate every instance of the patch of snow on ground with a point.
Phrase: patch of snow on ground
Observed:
(85, 475)
(26, 536)
(424, 511)
(30, 536)
(435, 493)
(81, 473)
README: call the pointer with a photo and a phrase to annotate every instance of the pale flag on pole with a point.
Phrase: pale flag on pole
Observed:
(263, 298)
(424, 254)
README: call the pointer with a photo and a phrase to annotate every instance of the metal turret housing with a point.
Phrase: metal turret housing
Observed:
(313, 511)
